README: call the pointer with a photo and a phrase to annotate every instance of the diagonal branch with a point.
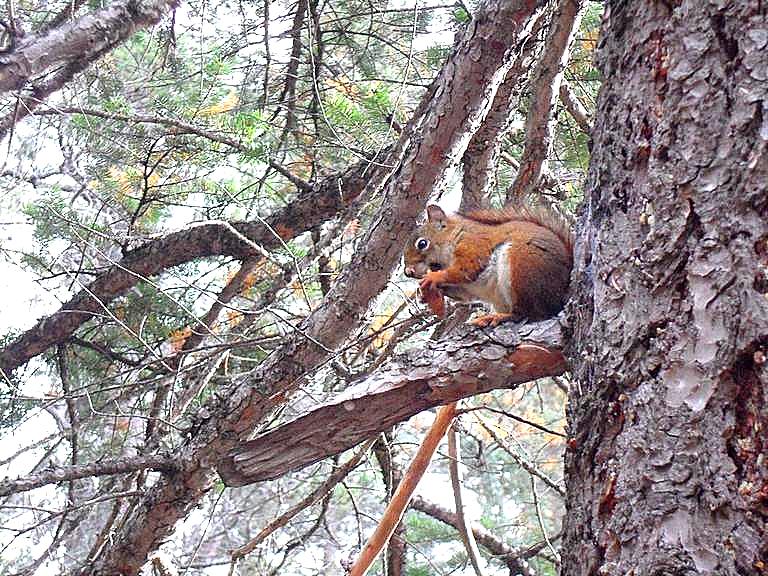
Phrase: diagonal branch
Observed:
(83, 40)
(539, 126)
(449, 113)
(402, 496)
(212, 239)
(329, 484)
(575, 108)
(481, 158)
(471, 362)
(514, 559)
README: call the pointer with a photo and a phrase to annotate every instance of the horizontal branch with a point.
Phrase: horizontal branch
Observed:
(103, 468)
(472, 362)
(213, 239)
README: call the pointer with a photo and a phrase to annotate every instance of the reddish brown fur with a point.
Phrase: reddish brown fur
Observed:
(528, 280)
(543, 217)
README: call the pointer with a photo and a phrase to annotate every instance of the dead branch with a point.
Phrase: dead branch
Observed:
(103, 468)
(471, 362)
(404, 492)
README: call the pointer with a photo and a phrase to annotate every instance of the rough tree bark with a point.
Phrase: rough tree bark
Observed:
(665, 469)
(43, 62)
(470, 362)
(85, 39)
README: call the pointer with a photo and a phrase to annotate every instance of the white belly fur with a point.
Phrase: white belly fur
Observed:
(492, 286)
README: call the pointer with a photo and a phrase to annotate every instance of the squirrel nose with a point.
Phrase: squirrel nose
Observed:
(410, 272)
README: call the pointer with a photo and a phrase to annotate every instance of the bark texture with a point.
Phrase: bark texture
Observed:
(665, 469)
(471, 362)
(83, 40)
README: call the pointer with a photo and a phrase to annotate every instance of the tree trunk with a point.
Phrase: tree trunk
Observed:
(666, 466)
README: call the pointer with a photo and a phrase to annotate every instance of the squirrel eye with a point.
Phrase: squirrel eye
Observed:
(422, 244)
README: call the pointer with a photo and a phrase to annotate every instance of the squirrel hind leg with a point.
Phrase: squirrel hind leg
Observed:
(491, 320)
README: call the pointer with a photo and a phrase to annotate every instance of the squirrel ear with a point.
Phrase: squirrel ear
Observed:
(435, 214)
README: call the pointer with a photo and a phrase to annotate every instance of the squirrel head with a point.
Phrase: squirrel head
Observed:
(431, 246)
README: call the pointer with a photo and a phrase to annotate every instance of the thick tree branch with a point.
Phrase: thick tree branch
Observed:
(546, 83)
(83, 40)
(26, 104)
(471, 362)
(462, 95)
(480, 160)
(103, 468)
(212, 239)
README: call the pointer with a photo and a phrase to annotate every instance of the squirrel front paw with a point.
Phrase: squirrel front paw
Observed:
(432, 296)
(430, 283)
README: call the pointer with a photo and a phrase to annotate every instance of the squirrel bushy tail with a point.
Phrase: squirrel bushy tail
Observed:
(542, 216)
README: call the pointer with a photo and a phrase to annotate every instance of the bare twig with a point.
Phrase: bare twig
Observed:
(454, 468)
(404, 491)
(537, 507)
(337, 476)
(524, 464)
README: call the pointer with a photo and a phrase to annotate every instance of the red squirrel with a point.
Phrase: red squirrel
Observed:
(518, 260)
